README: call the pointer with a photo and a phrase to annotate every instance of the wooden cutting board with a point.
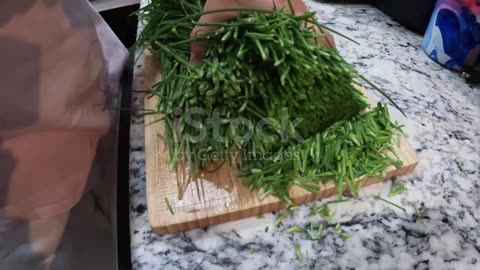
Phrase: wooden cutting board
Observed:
(218, 197)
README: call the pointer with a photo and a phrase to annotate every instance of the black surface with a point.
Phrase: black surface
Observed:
(123, 23)
(349, 1)
(125, 27)
(413, 14)
(123, 192)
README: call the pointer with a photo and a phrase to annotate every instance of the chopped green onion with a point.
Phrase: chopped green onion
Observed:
(338, 201)
(295, 229)
(462, 170)
(320, 230)
(169, 206)
(396, 189)
(279, 220)
(346, 235)
(294, 207)
(338, 229)
(298, 252)
(419, 216)
(391, 203)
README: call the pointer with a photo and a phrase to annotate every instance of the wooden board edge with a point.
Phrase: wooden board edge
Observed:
(151, 65)
(161, 228)
(164, 228)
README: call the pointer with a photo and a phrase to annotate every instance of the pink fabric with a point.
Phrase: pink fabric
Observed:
(55, 72)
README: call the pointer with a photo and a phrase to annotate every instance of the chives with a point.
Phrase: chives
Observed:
(256, 66)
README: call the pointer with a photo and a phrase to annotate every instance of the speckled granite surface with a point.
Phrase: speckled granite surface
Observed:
(444, 128)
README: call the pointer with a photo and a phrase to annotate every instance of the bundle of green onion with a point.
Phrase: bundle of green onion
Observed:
(262, 66)
(262, 69)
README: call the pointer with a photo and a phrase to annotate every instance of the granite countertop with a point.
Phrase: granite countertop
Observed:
(444, 128)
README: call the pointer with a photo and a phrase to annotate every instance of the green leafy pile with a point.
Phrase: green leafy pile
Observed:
(347, 152)
(263, 68)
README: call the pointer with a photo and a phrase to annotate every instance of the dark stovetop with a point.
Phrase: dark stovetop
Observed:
(125, 27)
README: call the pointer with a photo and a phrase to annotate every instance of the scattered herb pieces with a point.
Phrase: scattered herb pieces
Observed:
(389, 202)
(320, 230)
(338, 201)
(419, 216)
(461, 169)
(294, 207)
(314, 210)
(252, 250)
(295, 229)
(396, 189)
(169, 206)
(279, 220)
(298, 252)
(345, 235)
(338, 229)
(328, 214)
(324, 211)
(298, 229)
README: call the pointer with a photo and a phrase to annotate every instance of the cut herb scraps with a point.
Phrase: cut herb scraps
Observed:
(396, 189)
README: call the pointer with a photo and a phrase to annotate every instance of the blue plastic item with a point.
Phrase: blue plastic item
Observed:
(453, 35)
